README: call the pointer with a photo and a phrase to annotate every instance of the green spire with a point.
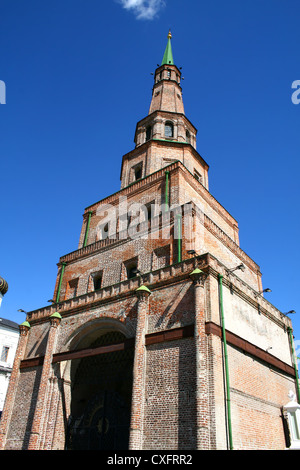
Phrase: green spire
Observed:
(168, 56)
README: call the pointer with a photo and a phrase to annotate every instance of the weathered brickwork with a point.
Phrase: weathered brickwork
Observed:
(131, 354)
(22, 416)
(170, 423)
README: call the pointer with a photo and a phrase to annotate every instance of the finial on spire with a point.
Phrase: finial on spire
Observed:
(169, 35)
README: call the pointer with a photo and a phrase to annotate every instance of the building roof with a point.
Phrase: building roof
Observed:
(168, 56)
(3, 286)
(8, 323)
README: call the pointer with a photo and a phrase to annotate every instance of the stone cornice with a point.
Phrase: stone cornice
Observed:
(141, 185)
(150, 117)
(247, 293)
(249, 348)
(167, 142)
(171, 334)
(155, 224)
(158, 279)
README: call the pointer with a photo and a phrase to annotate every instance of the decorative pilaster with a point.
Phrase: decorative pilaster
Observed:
(40, 409)
(13, 384)
(51, 410)
(202, 399)
(138, 387)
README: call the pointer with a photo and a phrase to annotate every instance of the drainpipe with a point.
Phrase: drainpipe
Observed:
(60, 281)
(167, 191)
(226, 364)
(178, 238)
(290, 332)
(87, 229)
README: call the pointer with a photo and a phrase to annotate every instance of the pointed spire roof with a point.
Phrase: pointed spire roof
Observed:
(168, 56)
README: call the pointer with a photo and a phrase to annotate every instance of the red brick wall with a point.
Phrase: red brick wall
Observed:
(170, 396)
(21, 420)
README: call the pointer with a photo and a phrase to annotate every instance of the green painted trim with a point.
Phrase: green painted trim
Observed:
(179, 239)
(196, 271)
(143, 288)
(167, 191)
(290, 332)
(87, 229)
(226, 363)
(55, 315)
(60, 281)
(170, 140)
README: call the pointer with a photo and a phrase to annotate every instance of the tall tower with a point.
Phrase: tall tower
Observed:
(165, 135)
(159, 336)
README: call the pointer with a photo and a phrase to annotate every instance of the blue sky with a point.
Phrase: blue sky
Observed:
(78, 78)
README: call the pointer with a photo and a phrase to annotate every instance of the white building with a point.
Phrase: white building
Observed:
(9, 337)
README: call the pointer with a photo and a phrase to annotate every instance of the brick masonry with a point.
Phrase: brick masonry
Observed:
(177, 399)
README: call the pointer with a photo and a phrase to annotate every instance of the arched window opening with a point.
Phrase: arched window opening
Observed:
(188, 137)
(138, 172)
(97, 280)
(197, 176)
(104, 231)
(72, 288)
(169, 129)
(148, 133)
(131, 267)
(131, 270)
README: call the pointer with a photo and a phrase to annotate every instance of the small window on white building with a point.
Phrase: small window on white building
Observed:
(4, 354)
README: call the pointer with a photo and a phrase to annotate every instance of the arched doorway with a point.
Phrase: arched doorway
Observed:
(101, 387)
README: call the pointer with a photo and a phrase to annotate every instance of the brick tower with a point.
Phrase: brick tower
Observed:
(158, 336)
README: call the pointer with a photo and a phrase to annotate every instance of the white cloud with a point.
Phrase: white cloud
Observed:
(143, 9)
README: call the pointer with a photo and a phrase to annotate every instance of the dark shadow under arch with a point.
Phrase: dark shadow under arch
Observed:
(101, 389)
